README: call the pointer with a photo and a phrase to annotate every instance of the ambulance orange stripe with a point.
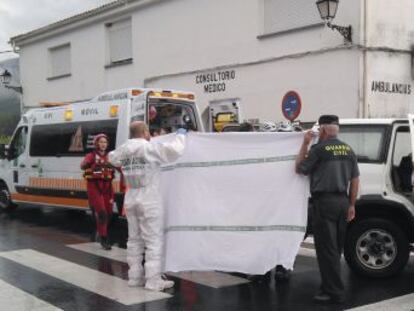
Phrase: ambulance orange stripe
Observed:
(50, 200)
(60, 183)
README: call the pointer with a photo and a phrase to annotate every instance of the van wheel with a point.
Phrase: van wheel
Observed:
(376, 248)
(6, 203)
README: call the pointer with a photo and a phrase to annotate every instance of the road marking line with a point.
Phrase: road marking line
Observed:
(94, 281)
(309, 240)
(14, 299)
(307, 252)
(402, 303)
(116, 253)
(210, 278)
(207, 278)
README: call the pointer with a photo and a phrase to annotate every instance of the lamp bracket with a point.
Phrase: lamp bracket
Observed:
(17, 89)
(346, 32)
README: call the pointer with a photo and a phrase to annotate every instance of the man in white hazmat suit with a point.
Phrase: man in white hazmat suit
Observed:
(140, 160)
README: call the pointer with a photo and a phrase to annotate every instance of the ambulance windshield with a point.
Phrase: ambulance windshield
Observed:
(167, 116)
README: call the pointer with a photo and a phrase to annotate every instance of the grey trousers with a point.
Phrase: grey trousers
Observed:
(329, 228)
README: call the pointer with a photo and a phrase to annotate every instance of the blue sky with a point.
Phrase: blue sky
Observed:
(20, 16)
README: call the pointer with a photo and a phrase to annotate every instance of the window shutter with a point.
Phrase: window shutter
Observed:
(60, 62)
(120, 41)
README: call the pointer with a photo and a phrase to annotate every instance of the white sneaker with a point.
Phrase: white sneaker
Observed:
(158, 284)
(136, 282)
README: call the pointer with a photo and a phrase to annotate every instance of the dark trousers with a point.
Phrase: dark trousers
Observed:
(329, 227)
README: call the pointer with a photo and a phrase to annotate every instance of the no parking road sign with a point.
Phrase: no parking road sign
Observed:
(291, 105)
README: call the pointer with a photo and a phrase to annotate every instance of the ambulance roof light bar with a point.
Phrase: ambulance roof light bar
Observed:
(169, 94)
(53, 104)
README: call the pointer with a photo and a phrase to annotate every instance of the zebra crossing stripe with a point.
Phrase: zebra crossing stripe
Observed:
(14, 299)
(207, 278)
(307, 252)
(402, 303)
(116, 253)
(94, 281)
(210, 278)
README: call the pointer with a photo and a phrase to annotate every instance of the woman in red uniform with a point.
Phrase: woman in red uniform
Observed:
(99, 175)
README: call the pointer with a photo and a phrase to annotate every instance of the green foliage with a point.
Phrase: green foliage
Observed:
(8, 123)
(5, 140)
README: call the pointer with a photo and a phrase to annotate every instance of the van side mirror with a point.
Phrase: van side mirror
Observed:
(5, 152)
(9, 152)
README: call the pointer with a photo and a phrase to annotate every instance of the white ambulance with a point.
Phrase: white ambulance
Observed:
(41, 164)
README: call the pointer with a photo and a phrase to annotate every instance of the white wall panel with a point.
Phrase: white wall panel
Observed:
(282, 15)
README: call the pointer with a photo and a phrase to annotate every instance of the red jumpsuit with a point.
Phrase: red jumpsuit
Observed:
(99, 177)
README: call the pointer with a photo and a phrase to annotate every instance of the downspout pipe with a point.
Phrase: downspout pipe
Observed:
(363, 111)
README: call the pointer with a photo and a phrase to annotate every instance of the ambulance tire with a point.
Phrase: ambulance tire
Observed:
(6, 203)
(376, 248)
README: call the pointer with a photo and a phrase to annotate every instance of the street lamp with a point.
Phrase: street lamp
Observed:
(327, 10)
(5, 79)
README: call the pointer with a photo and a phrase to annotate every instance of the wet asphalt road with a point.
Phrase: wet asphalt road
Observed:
(49, 232)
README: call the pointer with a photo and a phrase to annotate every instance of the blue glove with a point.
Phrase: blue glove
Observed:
(182, 131)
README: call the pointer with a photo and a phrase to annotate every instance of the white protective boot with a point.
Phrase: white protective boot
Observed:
(158, 284)
(136, 282)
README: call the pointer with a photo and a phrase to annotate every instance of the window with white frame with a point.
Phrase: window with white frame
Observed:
(119, 42)
(59, 61)
(284, 15)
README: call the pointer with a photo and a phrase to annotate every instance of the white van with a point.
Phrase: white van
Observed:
(41, 164)
(379, 240)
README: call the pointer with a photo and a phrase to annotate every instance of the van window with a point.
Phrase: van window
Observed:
(402, 145)
(367, 141)
(402, 161)
(70, 139)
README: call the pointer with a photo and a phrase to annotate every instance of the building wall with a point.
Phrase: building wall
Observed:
(389, 71)
(326, 83)
(175, 40)
(88, 75)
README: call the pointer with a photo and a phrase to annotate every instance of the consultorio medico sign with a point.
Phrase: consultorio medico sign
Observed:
(215, 81)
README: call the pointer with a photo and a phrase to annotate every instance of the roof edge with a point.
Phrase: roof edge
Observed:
(61, 24)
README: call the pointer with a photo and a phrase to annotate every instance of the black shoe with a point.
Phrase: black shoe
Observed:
(327, 299)
(105, 243)
(259, 278)
(281, 273)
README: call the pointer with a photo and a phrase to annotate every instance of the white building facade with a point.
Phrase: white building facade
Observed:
(251, 52)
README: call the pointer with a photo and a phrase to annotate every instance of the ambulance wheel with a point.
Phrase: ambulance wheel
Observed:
(6, 203)
(376, 248)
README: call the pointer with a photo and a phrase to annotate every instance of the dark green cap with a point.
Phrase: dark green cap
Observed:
(328, 119)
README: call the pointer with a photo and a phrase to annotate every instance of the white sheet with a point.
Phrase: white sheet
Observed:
(234, 203)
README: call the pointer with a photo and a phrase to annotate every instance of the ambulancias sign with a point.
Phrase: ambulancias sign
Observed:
(391, 87)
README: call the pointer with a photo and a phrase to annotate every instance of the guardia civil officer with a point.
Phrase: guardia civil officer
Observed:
(334, 181)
